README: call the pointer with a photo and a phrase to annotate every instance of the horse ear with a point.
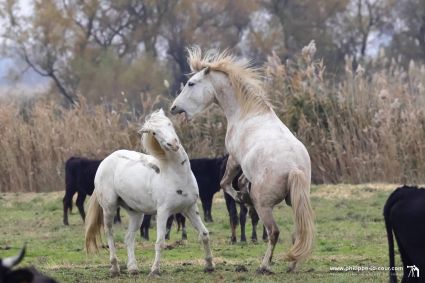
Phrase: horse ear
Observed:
(207, 70)
(147, 117)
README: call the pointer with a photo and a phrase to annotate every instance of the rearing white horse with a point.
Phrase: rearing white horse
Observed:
(271, 157)
(160, 183)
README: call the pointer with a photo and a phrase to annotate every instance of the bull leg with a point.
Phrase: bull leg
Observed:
(233, 216)
(144, 228)
(181, 220)
(117, 217)
(242, 220)
(67, 204)
(254, 220)
(80, 204)
(169, 226)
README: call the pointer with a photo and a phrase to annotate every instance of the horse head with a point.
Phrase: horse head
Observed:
(196, 95)
(158, 134)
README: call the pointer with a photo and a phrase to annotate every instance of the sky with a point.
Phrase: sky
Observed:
(30, 80)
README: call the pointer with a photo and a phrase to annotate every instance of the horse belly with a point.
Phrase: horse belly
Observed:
(134, 186)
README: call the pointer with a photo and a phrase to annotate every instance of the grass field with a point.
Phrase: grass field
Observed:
(350, 232)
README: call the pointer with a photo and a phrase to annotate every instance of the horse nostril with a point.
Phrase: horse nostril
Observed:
(173, 108)
(169, 144)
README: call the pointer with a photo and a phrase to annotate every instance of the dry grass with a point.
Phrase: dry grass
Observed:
(365, 128)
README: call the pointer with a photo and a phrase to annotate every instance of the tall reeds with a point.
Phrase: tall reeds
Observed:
(367, 126)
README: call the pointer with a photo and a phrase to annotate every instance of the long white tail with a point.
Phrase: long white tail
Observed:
(94, 224)
(303, 216)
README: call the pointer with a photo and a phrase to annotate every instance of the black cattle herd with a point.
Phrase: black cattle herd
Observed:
(404, 215)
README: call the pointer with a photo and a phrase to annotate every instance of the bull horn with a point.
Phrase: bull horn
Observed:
(9, 262)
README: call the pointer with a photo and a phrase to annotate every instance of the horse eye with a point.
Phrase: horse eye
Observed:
(191, 84)
(153, 133)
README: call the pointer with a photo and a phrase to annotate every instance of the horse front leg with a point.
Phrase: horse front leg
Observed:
(193, 214)
(232, 170)
(161, 222)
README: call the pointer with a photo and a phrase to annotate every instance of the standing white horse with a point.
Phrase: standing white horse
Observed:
(160, 183)
(271, 157)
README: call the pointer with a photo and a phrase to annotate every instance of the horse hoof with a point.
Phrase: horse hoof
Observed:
(154, 273)
(209, 269)
(292, 268)
(115, 273)
(241, 268)
(264, 271)
(133, 271)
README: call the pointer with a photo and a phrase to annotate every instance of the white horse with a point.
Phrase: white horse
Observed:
(160, 183)
(271, 157)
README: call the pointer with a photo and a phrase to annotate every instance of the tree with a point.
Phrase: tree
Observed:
(408, 30)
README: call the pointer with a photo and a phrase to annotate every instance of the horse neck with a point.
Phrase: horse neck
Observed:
(226, 97)
(176, 161)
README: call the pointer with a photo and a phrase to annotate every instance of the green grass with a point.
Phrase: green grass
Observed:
(349, 222)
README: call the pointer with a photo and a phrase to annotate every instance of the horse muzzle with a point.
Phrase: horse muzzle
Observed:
(176, 110)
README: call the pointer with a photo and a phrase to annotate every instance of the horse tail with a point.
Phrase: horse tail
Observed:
(387, 211)
(94, 223)
(299, 191)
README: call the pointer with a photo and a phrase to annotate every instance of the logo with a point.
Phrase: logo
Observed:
(414, 271)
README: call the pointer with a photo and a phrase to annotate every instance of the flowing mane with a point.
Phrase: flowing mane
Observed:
(245, 78)
(150, 144)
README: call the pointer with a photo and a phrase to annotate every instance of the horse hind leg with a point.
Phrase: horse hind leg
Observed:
(135, 221)
(108, 218)
(266, 216)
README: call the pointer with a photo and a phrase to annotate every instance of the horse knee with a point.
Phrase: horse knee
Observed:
(205, 236)
(274, 235)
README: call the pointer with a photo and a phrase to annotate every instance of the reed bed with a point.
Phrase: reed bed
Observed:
(367, 126)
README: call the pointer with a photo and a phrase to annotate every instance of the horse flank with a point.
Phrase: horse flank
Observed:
(245, 78)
